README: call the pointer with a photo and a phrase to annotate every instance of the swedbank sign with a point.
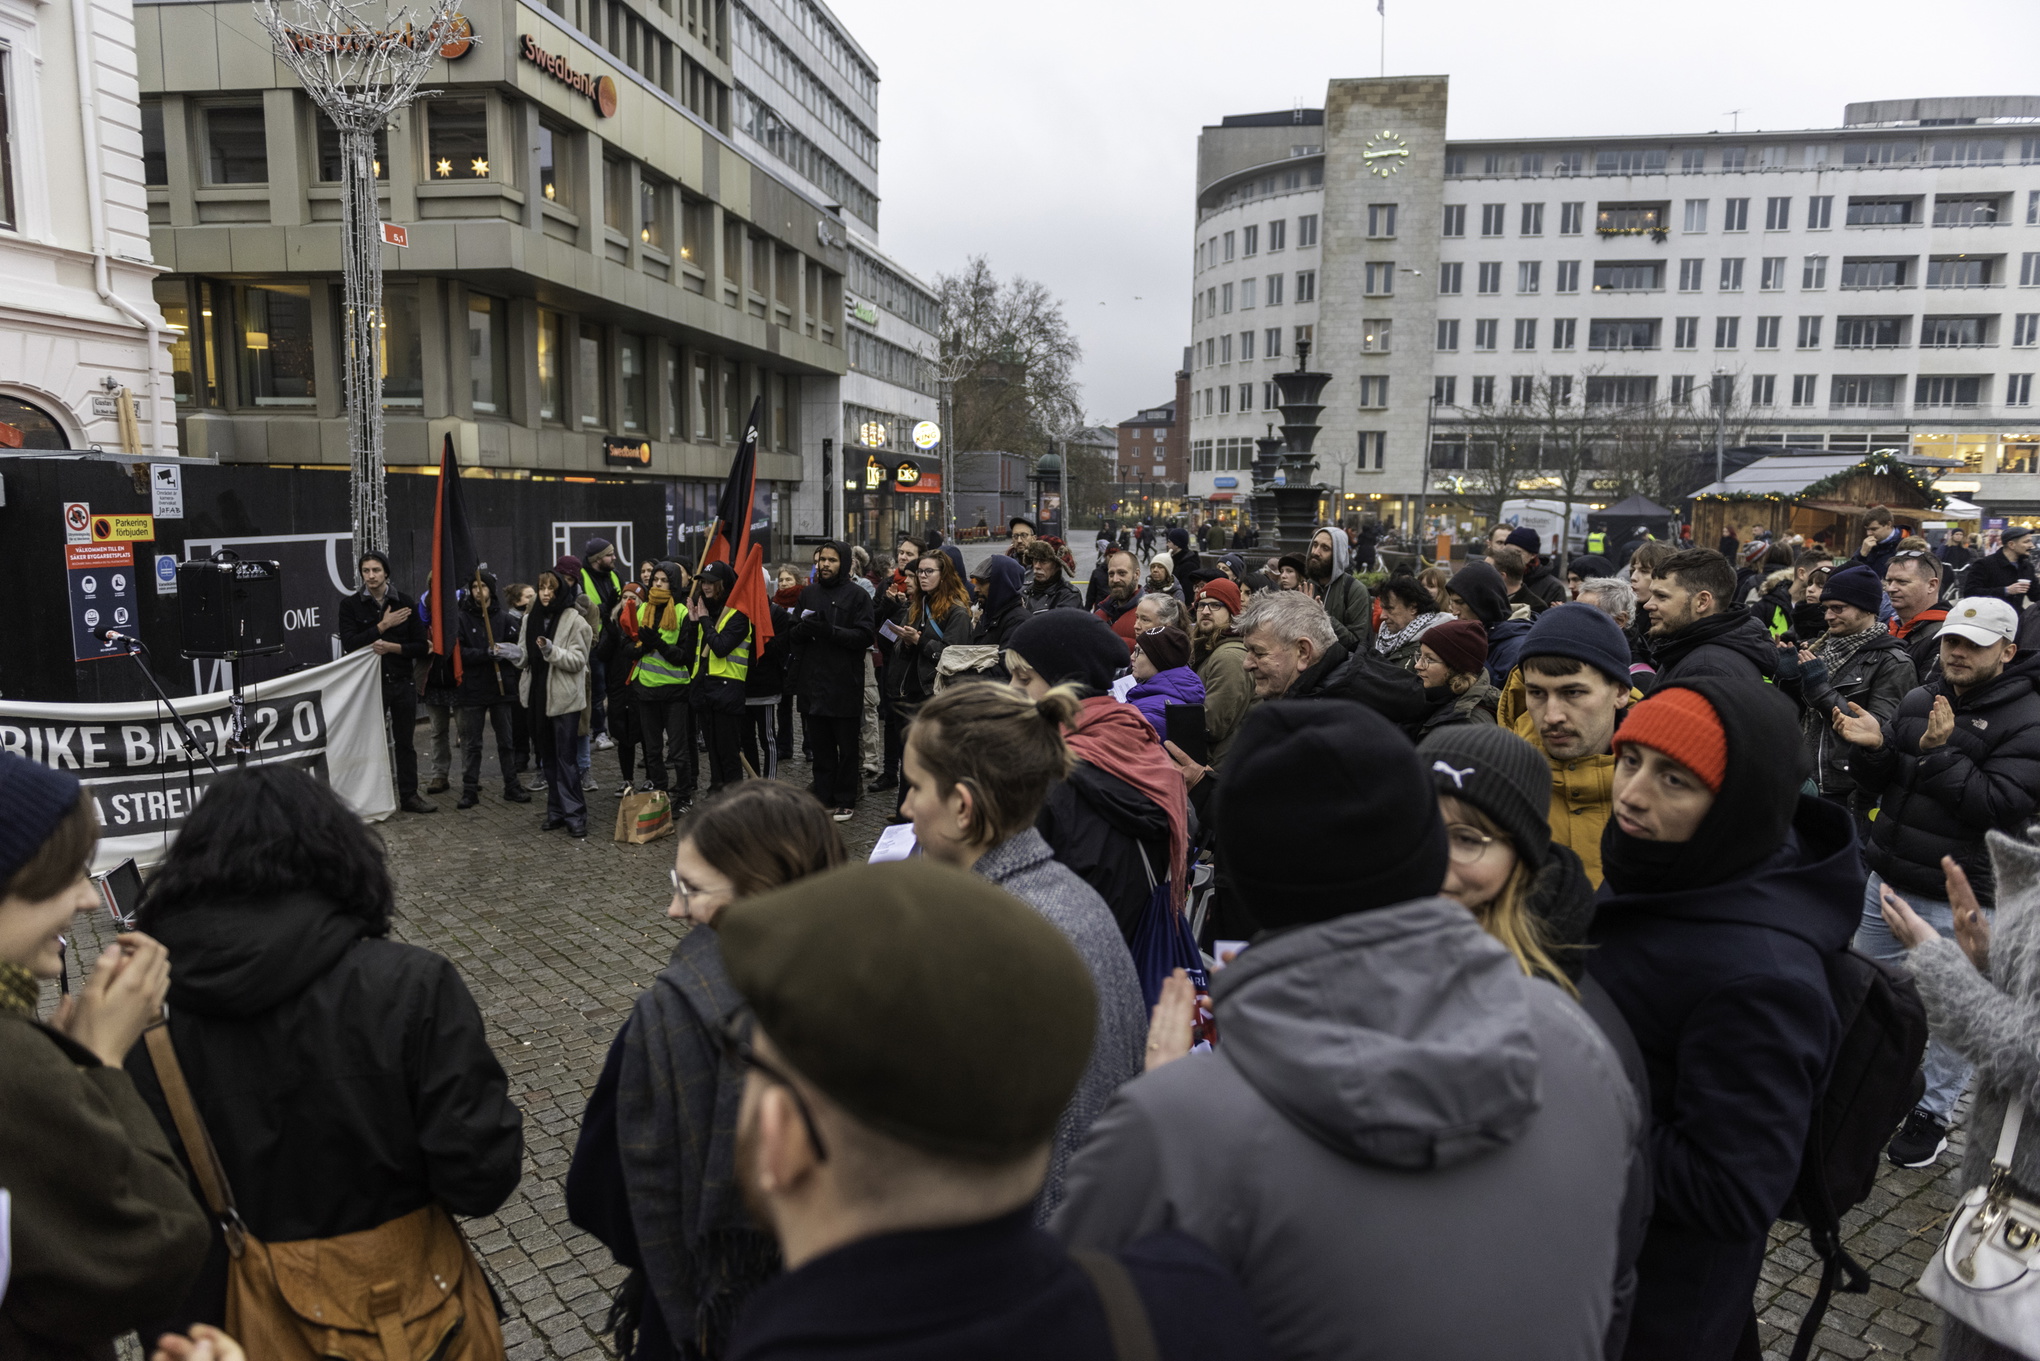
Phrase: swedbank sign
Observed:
(600, 89)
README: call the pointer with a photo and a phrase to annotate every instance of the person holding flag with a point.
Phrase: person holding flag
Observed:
(722, 663)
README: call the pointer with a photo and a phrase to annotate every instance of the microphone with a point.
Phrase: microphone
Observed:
(114, 636)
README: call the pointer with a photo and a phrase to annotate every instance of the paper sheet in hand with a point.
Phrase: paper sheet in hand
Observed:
(895, 843)
(888, 632)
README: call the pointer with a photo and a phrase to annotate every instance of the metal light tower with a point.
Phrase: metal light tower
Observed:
(361, 61)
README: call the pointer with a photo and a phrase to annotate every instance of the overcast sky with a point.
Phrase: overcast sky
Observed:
(1059, 137)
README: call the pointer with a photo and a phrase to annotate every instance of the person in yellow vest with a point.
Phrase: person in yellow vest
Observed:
(722, 638)
(661, 669)
(1597, 542)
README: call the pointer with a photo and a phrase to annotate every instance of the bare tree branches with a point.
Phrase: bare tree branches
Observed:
(1011, 359)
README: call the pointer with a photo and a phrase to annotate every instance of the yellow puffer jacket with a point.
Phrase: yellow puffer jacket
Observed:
(1582, 791)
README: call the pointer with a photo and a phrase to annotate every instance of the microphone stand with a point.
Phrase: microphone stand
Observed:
(134, 654)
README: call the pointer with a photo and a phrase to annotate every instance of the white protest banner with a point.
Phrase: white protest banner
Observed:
(327, 720)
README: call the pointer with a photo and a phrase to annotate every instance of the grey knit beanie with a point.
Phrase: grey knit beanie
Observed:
(1498, 773)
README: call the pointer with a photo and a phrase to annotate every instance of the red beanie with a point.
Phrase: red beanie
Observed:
(1683, 725)
(1461, 644)
(1224, 592)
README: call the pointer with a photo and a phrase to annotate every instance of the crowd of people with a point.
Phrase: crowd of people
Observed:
(1518, 891)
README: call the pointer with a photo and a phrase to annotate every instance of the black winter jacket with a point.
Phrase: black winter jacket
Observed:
(485, 678)
(768, 663)
(911, 676)
(1877, 678)
(715, 694)
(1731, 643)
(1054, 594)
(1990, 575)
(995, 627)
(1096, 824)
(829, 646)
(1725, 989)
(1365, 677)
(358, 616)
(346, 1080)
(1987, 775)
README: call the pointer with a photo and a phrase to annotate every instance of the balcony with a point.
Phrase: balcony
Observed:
(1855, 409)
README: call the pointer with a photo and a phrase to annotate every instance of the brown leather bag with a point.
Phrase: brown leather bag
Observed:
(408, 1290)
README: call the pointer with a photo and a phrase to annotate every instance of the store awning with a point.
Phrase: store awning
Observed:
(1220, 496)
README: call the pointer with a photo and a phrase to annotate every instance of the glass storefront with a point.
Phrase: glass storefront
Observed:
(887, 495)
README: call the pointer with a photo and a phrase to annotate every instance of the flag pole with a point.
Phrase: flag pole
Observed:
(1381, 8)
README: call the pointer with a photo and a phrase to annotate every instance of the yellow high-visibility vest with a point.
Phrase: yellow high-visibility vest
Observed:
(734, 667)
(653, 670)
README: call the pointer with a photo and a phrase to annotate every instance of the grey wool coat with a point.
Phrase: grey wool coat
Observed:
(1026, 868)
(1994, 1022)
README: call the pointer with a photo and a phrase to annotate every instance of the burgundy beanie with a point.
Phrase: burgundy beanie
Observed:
(1461, 644)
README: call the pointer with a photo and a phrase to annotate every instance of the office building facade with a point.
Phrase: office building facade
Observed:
(1873, 285)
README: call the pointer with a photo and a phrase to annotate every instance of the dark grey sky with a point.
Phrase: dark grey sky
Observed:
(1058, 137)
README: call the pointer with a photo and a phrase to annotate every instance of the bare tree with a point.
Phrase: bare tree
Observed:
(1010, 358)
(1487, 451)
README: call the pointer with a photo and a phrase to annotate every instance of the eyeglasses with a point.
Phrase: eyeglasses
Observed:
(686, 893)
(1467, 844)
(737, 1049)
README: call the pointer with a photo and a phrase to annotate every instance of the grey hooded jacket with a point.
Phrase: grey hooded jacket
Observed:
(1346, 601)
(1025, 867)
(1993, 1022)
(1402, 1146)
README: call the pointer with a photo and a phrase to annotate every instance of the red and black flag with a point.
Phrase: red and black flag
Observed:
(453, 558)
(730, 539)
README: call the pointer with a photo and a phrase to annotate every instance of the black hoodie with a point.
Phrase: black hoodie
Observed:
(832, 631)
(1731, 644)
(1723, 982)
(346, 1080)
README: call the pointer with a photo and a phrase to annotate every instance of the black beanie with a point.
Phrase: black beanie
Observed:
(1580, 631)
(1751, 815)
(1498, 773)
(1308, 782)
(1589, 565)
(1070, 645)
(1858, 586)
(1480, 586)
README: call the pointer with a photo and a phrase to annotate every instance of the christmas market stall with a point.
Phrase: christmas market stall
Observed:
(1818, 496)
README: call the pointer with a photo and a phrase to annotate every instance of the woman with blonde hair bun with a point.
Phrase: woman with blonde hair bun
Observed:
(979, 762)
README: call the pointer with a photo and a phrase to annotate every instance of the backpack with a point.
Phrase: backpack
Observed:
(1875, 1081)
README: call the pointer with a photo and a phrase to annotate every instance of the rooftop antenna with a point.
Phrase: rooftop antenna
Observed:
(1381, 8)
(1734, 119)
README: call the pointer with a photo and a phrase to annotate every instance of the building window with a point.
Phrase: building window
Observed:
(1630, 161)
(1568, 162)
(1682, 390)
(1246, 345)
(174, 297)
(1373, 450)
(552, 367)
(2029, 269)
(701, 399)
(1809, 333)
(1764, 390)
(1777, 214)
(616, 194)
(1374, 390)
(1445, 391)
(1951, 333)
(591, 378)
(1485, 334)
(1689, 275)
(1225, 399)
(1571, 218)
(1946, 391)
(1805, 388)
(1526, 333)
(1731, 276)
(1962, 272)
(331, 169)
(1271, 342)
(2019, 389)
(1767, 332)
(1455, 220)
(1228, 239)
(1381, 219)
(459, 138)
(1621, 391)
(1490, 276)
(488, 353)
(1814, 274)
(1734, 157)
(1450, 278)
(1725, 330)
(2032, 207)
(1484, 392)
(1622, 335)
(1873, 273)
(1274, 283)
(1533, 220)
(1735, 215)
(1773, 273)
(1306, 231)
(1276, 229)
(1448, 335)
(1522, 391)
(630, 365)
(1628, 276)
(155, 155)
(1568, 276)
(236, 147)
(1692, 160)
(1267, 397)
(1246, 404)
(1963, 210)
(1380, 281)
(1528, 273)
(1491, 215)
(1820, 210)
(652, 200)
(732, 403)
(2026, 329)
(403, 346)
(276, 343)
(1696, 214)
(1374, 335)
(1563, 331)
(1250, 240)
(1685, 332)
(1880, 212)
(1225, 297)
(1225, 349)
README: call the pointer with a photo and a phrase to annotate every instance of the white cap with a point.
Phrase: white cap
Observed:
(1983, 620)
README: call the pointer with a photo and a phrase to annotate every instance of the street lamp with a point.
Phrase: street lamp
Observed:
(1720, 424)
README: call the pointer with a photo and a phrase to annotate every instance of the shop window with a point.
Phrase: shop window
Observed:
(552, 364)
(236, 147)
(331, 171)
(488, 352)
(276, 344)
(403, 347)
(592, 379)
(2019, 458)
(458, 139)
(36, 427)
(630, 365)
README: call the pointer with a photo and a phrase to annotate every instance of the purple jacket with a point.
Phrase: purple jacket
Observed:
(1178, 685)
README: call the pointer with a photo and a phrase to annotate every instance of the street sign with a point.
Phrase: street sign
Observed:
(166, 490)
(166, 574)
(77, 522)
(927, 434)
(102, 581)
(123, 528)
(393, 235)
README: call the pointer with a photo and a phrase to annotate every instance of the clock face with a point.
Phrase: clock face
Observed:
(1385, 153)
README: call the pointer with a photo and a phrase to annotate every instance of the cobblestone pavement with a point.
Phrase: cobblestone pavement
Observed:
(556, 939)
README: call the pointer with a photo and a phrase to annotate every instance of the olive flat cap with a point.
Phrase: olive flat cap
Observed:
(926, 1002)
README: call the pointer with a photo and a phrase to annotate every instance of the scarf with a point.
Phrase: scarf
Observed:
(20, 990)
(1114, 738)
(1385, 643)
(1834, 652)
(661, 601)
(786, 597)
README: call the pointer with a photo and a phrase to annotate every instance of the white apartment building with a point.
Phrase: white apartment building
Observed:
(1873, 285)
(78, 324)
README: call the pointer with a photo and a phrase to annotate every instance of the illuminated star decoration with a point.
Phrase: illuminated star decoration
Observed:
(550, 192)
(479, 166)
(444, 167)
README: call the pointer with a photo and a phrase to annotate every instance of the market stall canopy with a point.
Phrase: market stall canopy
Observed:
(1635, 508)
(1797, 477)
